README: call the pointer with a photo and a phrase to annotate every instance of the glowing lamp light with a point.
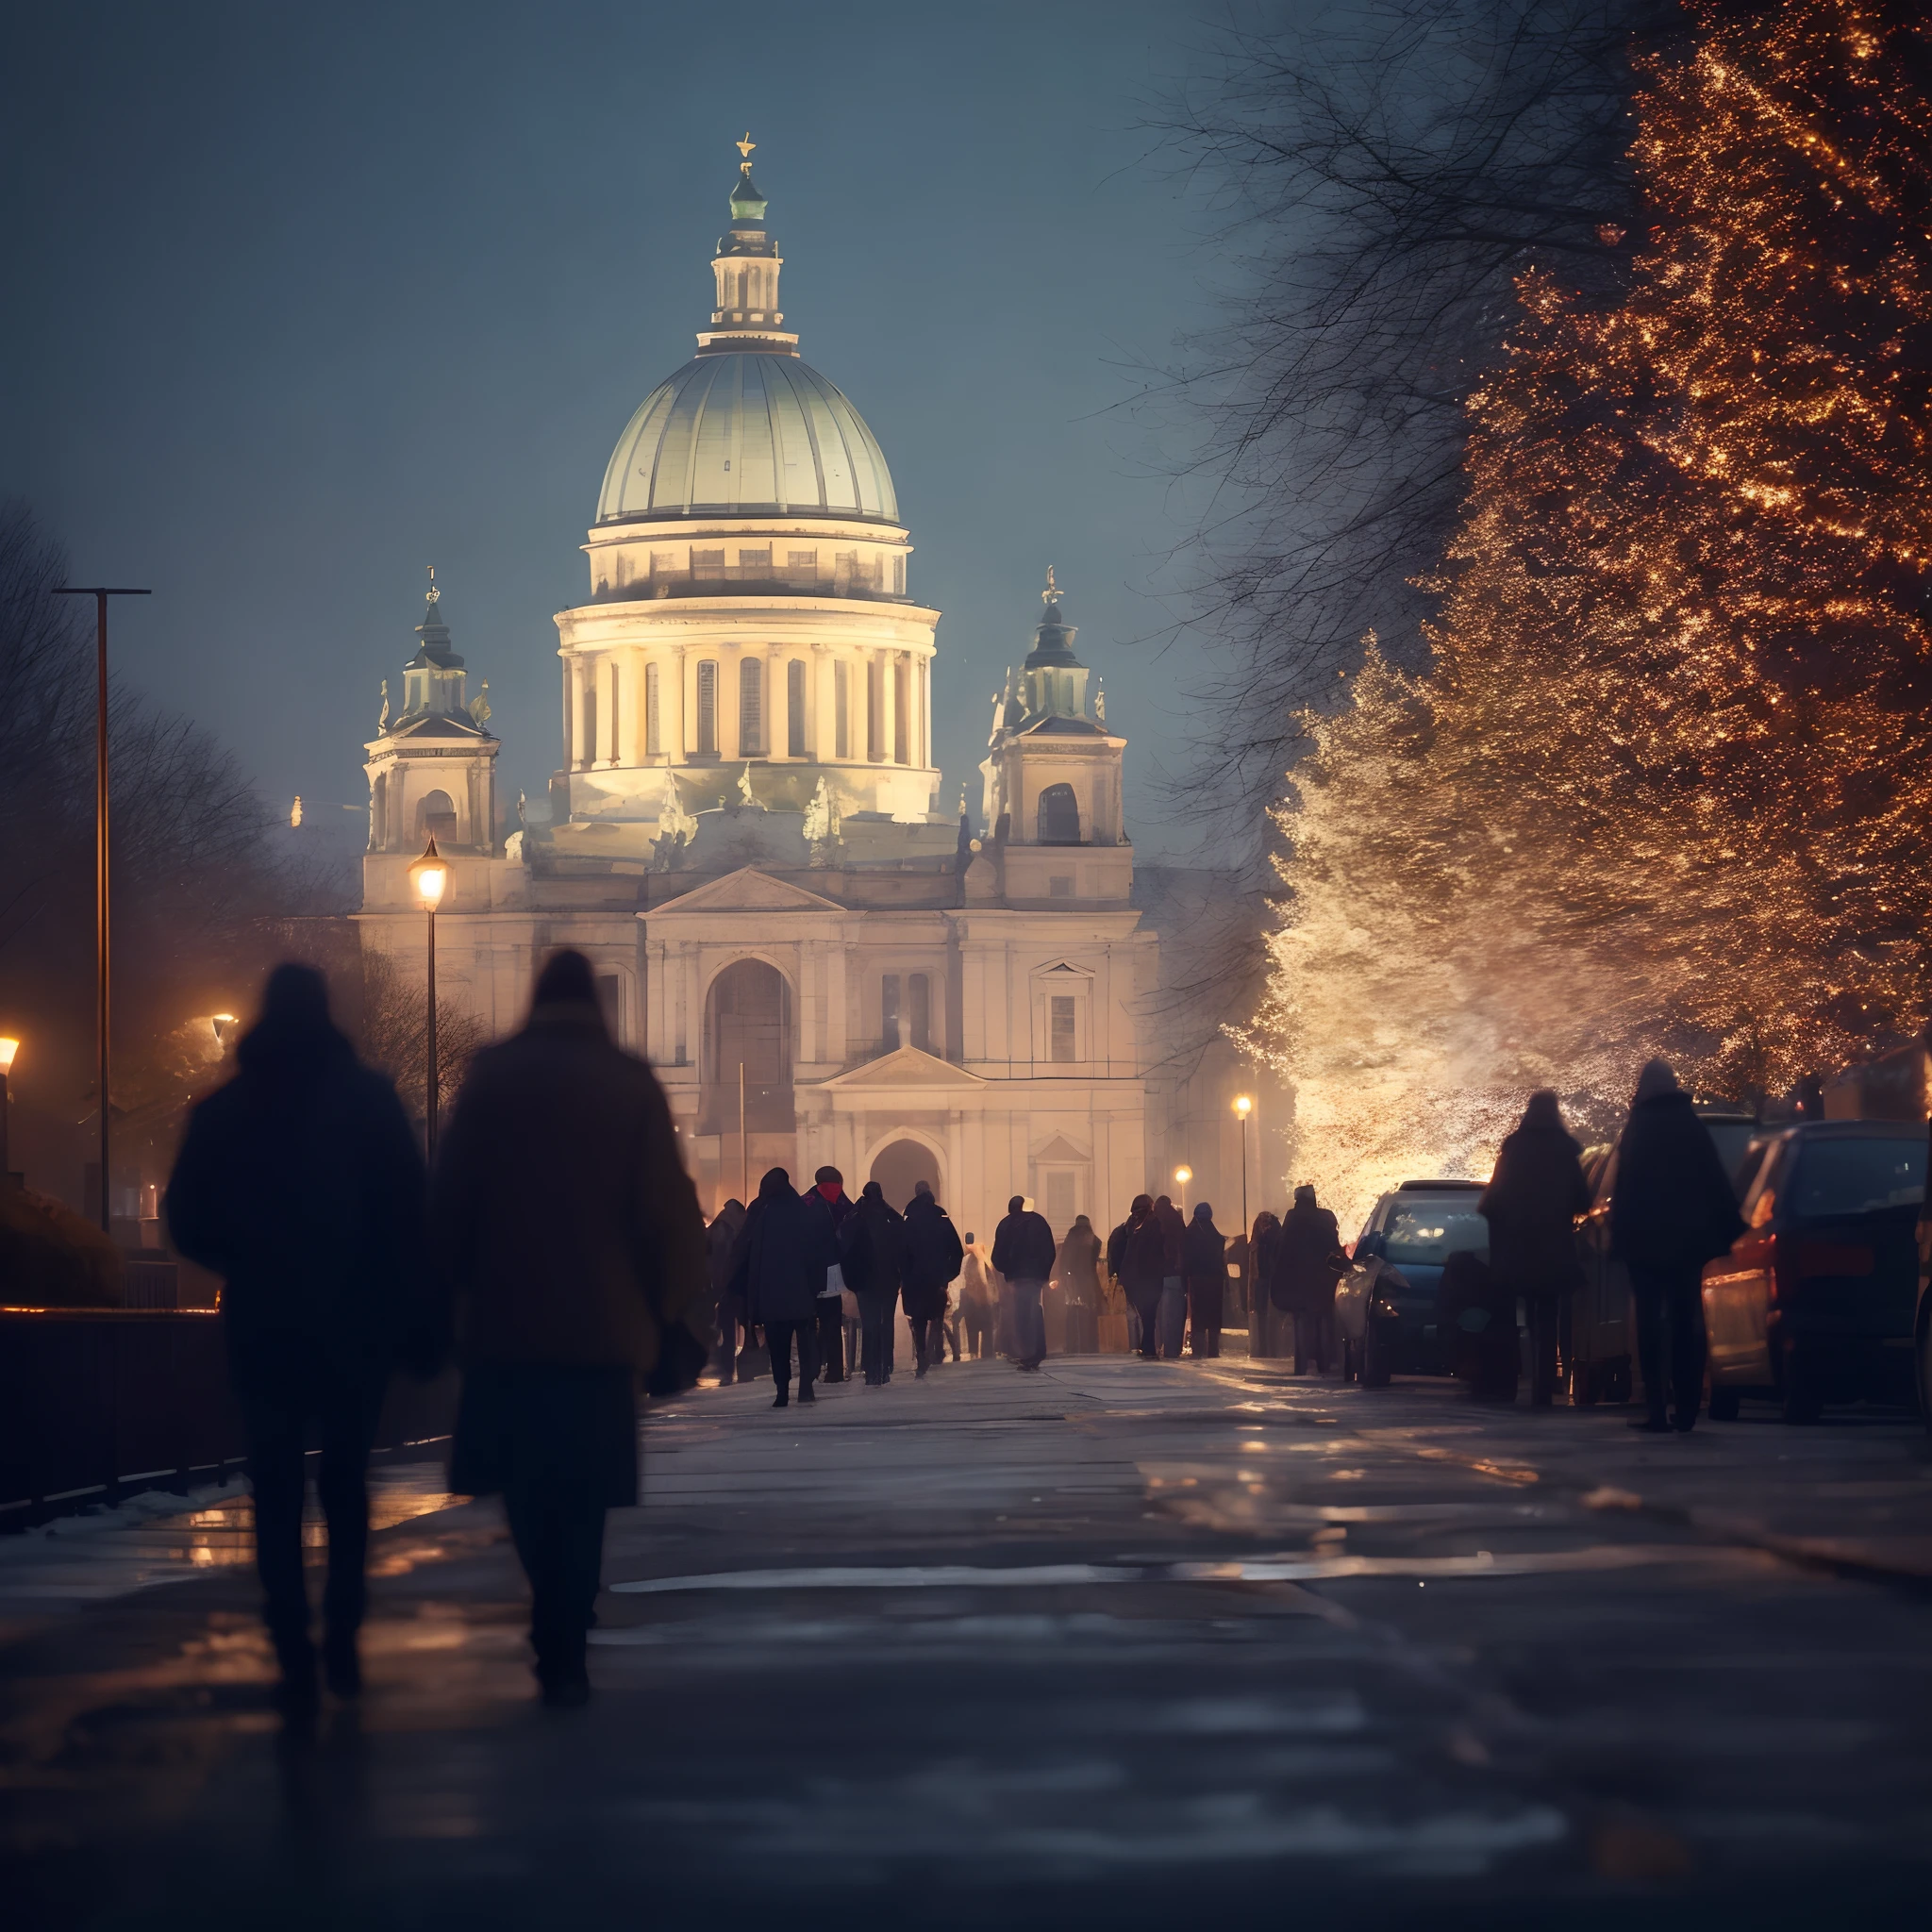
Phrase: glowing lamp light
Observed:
(1244, 1105)
(429, 878)
(1184, 1174)
(7, 1049)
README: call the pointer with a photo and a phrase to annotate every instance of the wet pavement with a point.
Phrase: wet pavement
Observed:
(1116, 1645)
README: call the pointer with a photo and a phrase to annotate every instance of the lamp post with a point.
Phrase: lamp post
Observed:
(1244, 1107)
(1182, 1175)
(100, 594)
(429, 877)
(7, 1049)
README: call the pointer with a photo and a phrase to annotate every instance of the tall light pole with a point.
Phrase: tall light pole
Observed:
(1244, 1107)
(1182, 1175)
(100, 594)
(7, 1049)
(429, 876)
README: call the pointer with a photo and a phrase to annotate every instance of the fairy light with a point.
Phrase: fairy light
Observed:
(1668, 784)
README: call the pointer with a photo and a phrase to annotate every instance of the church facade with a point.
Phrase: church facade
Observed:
(746, 836)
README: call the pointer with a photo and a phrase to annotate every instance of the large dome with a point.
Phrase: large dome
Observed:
(750, 434)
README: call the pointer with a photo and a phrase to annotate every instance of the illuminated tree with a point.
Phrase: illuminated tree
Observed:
(1676, 785)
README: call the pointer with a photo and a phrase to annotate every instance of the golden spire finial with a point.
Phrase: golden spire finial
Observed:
(434, 593)
(1052, 591)
(745, 148)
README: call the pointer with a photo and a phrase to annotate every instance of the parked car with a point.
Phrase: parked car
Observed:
(1385, 1305)
(1597, 1344)
(1816, 1301)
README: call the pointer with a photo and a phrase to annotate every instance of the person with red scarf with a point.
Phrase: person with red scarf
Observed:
(828, 1204)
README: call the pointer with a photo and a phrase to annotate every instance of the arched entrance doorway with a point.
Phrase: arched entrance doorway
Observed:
(748, 1027)
(899, 1165)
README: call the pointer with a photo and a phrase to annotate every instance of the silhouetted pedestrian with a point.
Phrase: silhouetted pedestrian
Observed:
(829, 1206)
(1137, 1255)
(872, 1253)
(1204, 1255)
(1170, 1314)
(1309, 1262)
(569, 1236)
(1531, 1205)
(779, 1268)
(1078, 1270)
(1022, 1251)
(720, 1243)
(934, 1254)
(300, 1184)
(1264, 1320)
(1672, 1209)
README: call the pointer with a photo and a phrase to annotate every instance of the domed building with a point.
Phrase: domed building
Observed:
(746, 836)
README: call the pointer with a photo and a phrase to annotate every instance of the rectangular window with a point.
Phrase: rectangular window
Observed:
(708, 707)
(708, 563)
(591, 719)
(664, 563)
(794, 708)
(919, 997)
(1060, 1021)
(802, 560)
(610, 997)
(889, 1011)
(1060, 887)
(1059, 1196)
(841, 709)
(755, 559)
(901, 722)
(653, 728)
(875, 710)
(751, 707)
(898, 576)
(616, 710)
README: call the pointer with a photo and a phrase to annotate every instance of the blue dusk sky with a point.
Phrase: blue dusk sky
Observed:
(305, 299)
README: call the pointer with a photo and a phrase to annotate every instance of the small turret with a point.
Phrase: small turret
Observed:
(746, 317)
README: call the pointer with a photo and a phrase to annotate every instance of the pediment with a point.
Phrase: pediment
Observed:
(907, 1066)
(1060, 1151)
(747, 890)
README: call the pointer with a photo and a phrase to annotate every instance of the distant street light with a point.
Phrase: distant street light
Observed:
(1182, 1176)
(7, 1049)
(100, 594)
(429, 876)
(221, 1023)
(1244, 1107)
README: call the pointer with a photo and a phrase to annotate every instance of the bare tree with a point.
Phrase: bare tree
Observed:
(1383, 176)
(395, 1034)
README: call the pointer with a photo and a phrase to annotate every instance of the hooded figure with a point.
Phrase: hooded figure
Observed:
(299, 1182)
(720, 1246)
(1309, 1262)
(1531, 1205)
(1264, 1321)
(1673, 1208)
(828, 1206)
(568, 1235)
(1077, 1268)
(1022, 1251)
(1204, 1258)
(1137, 1253)
(779, 1267)
(1171, 1316)
(871, 1250)
(933, 1257)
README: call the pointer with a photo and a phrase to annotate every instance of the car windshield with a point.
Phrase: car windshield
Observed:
(1425, 1231)
(1857, 1176)
(1732, 1138)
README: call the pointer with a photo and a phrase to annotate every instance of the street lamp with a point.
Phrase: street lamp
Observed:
(429, 877)
(1244, 1107)
(7, 1049)
(1182, 1175)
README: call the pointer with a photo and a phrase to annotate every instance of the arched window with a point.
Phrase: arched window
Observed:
(616, 704)
(378, 813)
(436, 816)
(1059, 816)
(751, 707)
(653, 727)
(794, 708)
(590, 746)
(708, 707)
(748, 1029)
(841, 712)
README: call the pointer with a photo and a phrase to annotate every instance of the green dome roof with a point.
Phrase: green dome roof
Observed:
(750, 434)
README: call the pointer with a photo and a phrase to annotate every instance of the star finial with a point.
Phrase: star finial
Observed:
(745, 148)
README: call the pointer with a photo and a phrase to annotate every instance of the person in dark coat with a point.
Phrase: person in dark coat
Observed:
(1673, 1208)
(933, 1257)
(1204, 1262)
(1076, 1268)
(568, 1235)
(1137, 1253)
(829, 1206)
(1309, 1262)
(720, 1244)
(1171, 1317)
(873, 1253)
(779, 1268)
(1023, 1252)
(299, 1182)
(1531, 1205)
(1263, 1320)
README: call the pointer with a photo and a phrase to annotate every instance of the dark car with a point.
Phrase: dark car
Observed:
(1385, 1305)
(1816, 1301)
(1597, 1333)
